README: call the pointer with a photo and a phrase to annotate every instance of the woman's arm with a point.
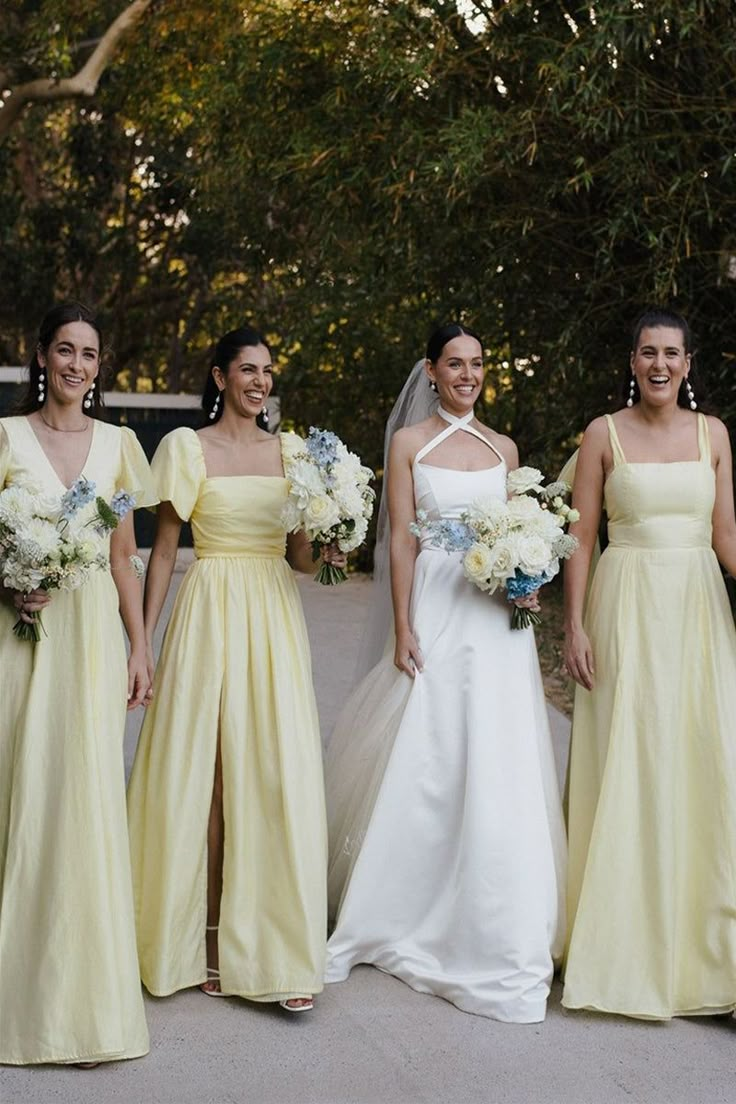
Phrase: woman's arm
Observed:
(588, 499)
(403, 552)
(122, 547)
(724, 522)
(160, 569)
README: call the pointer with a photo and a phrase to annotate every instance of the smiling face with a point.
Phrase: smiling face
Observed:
(71, 362)
(247, 382)
(660, 364)
(458, 373)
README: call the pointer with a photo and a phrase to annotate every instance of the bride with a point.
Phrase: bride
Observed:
(447, 847)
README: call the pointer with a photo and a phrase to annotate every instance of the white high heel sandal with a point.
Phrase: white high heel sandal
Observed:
(213, 974)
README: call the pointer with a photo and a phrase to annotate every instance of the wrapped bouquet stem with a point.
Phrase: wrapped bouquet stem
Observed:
(330, 498)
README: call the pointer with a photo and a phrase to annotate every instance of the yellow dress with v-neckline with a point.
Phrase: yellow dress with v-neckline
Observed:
(235, 658)
(652, 782)
(69, 984)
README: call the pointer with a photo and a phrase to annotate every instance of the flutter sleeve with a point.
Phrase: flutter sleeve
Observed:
(135, 475)
(179, 470)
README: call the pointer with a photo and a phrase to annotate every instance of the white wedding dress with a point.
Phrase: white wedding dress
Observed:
(447, 843)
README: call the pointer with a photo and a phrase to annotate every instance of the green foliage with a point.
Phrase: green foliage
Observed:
(346, 175)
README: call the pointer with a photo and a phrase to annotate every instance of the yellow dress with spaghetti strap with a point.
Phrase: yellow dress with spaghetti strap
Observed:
(69, 984)
(235, 663)
(652, 798)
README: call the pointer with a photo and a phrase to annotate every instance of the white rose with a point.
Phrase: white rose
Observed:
(489, 516)
(522, 509)
(534, 555)
(320, 514)
(477, 565)
(505, 559)
(87, 551)
(521, 480)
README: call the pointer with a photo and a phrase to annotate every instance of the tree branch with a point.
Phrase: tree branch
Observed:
(84, 82)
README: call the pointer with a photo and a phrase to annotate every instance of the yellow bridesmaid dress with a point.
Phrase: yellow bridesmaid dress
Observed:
(235, 660)
(69, 984)
(652, 800)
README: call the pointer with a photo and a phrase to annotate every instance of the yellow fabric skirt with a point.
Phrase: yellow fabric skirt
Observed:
(652, 812)
(69, 985)
(235, 661)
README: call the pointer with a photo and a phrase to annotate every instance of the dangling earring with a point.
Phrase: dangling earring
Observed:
(690, 395)
(264, 417)
(41, 388)
(89, 397)
(632, 389)
(215, 407)
(433, 385)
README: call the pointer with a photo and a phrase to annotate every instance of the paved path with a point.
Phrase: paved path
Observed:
(371, 1039)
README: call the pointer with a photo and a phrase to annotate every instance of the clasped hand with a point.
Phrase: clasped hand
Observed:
(332, 554)
(28, 605)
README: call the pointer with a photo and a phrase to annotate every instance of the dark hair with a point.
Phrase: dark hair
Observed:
(60, 315)
(445, 333)
(660, 317)
(225, 352)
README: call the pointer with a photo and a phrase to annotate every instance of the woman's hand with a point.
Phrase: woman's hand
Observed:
(529, 601)
(139, 682)
(579, 657)
(30, 604)
(331, 554)
(408, 655)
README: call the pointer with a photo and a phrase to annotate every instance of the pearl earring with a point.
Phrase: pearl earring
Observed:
(264, 417)
(215, 407)
(690, 394)
(89, 397)
(41, 388)
(632, 389)
(433, 385)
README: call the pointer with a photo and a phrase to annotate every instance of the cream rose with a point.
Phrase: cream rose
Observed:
(477, 565)
(534, 555)
(521, 480)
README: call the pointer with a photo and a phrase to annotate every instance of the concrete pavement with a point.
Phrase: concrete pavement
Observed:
(371, 1039)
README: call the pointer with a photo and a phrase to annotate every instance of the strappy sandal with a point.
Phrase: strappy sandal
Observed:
(307, 1006)
(213, 974)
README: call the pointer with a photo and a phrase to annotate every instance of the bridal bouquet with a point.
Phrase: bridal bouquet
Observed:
(329, 495)
(517, 544)
(44, 544)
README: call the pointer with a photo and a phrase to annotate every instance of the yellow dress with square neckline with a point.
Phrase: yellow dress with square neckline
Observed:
(235, 659)
(652, 783)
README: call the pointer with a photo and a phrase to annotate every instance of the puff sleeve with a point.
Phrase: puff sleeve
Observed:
(179, 470)
(135, 473)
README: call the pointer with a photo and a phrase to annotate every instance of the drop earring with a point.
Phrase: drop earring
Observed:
(89, 397)
(264, 417)
(41, 387)
(433, 385)
(632, 389)
(215, 407)
(690, 395)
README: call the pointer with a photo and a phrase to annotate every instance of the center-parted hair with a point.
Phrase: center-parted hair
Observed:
(62, 314)
(225, 352)
(446, 333)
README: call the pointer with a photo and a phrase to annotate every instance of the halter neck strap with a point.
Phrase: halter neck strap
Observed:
(453, 419)
(454, 425)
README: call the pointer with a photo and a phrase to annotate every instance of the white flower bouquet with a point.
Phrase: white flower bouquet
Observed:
(45, 545)
(330, 498)
(517, 544)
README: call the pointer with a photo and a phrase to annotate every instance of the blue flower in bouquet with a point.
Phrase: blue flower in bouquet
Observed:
(521, 585)
(80, 494)
(449, 533)
(122, 503)
(322, 446)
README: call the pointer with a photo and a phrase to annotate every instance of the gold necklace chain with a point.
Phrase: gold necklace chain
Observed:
(58, 429)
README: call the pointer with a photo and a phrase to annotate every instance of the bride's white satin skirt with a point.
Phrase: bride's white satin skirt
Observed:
(447, 842)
